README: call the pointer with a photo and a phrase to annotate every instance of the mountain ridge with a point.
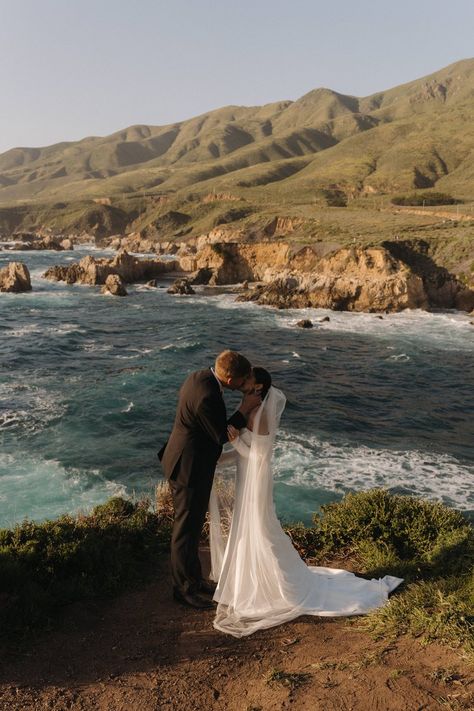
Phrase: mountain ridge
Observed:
(416, 135)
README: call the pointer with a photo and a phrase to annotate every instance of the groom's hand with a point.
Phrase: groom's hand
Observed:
(249, 402)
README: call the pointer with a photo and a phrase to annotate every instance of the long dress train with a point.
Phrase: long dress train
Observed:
(262, 581)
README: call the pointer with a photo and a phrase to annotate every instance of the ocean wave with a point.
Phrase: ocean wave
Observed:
(36, 488)
(445, 330)
(312, 462)
(28, 407)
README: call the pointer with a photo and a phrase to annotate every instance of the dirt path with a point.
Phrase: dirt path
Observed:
(141, 652)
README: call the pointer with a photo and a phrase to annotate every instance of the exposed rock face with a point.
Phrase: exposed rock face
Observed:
(232, 262)
(201, 276)
(15, 278)
(443, 290)
(181, 287)
(349, 280)
(133, 242)
(305, 323)
(114, 286)
(283, 225)
(95, 271)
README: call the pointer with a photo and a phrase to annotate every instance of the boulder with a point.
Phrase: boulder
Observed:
(114, 286)
(181, 287)
(324, 319)
(66, 244)
(305, 323)
(15, 278)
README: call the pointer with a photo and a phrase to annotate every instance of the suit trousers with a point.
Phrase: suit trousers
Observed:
(190, 507)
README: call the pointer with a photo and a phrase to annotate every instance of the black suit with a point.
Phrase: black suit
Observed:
(189, 460)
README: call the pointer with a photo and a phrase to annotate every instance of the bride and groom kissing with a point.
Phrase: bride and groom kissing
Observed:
(258, 579)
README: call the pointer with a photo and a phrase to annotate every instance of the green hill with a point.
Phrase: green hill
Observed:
(416, 136)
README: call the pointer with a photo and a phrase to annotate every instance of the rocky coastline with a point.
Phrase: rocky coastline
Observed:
(388, 277)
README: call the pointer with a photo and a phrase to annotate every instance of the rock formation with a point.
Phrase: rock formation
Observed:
(356, 279)
(29, 241)
(95, 271)
(305, 323)
(181, 287)
(233, 262)
(114, 286)
(15, 278)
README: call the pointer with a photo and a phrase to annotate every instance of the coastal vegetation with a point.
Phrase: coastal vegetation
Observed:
(424, 198)
(44, 566)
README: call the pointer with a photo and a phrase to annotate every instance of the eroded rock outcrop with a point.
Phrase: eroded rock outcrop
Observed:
(95, 271)
(114, 286)
(233, 262)
(348, 280)
(15, 278)
(181, 287)
(283, 225)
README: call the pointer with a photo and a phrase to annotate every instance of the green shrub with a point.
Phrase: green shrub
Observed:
(416, 199)
(428, 544)
(43, 566)
(406, 534)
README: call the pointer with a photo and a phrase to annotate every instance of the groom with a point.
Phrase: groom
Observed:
(189, 460)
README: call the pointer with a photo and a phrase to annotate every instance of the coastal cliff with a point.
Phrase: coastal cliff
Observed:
(386, 278)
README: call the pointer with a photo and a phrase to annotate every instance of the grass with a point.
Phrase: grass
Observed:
(430, 545)
(45, 566)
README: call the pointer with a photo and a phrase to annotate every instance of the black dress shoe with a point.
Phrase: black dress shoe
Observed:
(192, 600)
(208, 587)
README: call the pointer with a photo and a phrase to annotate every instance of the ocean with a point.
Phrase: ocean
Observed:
(89, 384)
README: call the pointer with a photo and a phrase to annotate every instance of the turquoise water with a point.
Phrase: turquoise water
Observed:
(88, 388)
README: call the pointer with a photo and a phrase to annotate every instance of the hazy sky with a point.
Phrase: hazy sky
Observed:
(73, 68)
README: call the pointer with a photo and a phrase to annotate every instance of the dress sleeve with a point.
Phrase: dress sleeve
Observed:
(240, 446)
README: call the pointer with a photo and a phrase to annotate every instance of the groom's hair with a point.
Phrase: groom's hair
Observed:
(230, 364)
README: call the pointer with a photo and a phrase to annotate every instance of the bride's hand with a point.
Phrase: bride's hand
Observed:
(232, 433)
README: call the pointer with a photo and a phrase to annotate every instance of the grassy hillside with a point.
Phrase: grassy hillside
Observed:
(415, 136)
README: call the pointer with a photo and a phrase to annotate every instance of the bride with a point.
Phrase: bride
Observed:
(261, 579)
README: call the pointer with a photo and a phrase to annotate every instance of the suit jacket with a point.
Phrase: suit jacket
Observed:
(199, 431)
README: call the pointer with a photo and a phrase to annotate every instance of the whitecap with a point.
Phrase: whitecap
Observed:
(450, 330)
(340, 467)
(36, 488)
(400, 358)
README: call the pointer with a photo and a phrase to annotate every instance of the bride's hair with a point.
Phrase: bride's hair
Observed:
(262, 377)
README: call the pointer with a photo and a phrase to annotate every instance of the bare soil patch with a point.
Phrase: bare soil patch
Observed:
(142, 651)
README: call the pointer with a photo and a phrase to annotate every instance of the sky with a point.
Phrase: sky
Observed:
(76, 68)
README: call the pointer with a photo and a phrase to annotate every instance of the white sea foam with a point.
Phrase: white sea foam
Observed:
(94, 347)
(29, 407)
(445, 330)
(38, 488)
(313, 462)
(128, 408)
(26, 330)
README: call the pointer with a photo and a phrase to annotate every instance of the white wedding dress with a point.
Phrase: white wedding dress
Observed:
(262, 581)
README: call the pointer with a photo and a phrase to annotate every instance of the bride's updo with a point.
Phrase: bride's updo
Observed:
(263, 378)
